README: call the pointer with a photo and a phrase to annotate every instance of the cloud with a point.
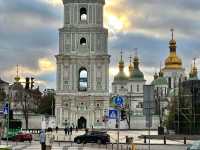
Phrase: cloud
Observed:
(29, 34)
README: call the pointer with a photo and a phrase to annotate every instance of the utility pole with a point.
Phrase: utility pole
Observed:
(118, 126)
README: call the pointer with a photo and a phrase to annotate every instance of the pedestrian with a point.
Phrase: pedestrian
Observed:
(49, 139)
(56, 129)
(71, 129)
(68, 130)
(65, 130)
(42, 139)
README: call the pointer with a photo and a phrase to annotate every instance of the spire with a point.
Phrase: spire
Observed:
(160, 72)
(173, 61)
(130, 65)
(17, 78)
(121, 62)
(136, 60)
(172, 42)
(193, 72)
(172, 30)
(121, 75)
(136, 74)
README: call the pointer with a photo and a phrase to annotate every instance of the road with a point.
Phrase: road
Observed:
(65, 146)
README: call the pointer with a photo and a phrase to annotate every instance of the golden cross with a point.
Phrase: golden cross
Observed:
(172, 30)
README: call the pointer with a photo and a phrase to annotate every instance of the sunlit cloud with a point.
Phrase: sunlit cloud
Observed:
(54, 2)
(116, 17)
(45, 66)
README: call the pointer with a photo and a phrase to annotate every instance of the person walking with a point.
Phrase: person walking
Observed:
(42, 140)
(71, 130)
(56, 129)
(49, 139)
(65, 130)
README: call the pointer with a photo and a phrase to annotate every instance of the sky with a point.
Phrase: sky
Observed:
(29, 35)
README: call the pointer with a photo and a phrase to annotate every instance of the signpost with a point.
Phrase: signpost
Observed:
(149, 106)
(119, 103)
(6, 112)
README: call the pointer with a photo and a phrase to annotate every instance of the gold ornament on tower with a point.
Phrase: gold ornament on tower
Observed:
(173, 61)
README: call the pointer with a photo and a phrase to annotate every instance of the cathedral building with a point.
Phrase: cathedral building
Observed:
(131, 87)
(82, 94)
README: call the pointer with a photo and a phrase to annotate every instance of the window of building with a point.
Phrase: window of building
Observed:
(83, 41)
(169, 82)
(138, 88)
(83, 78)
(83, 14)
(131, 89)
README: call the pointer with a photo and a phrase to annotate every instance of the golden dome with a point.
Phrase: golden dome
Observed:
(173, 61)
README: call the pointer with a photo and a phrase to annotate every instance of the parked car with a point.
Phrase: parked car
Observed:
(93, 137)
(23, 136)
(194, 146)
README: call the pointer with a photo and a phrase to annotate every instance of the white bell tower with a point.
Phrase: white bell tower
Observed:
(82, 65)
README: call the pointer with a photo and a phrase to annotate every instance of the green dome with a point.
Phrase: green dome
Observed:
(160, 81)
(120, 76)
(136, 75)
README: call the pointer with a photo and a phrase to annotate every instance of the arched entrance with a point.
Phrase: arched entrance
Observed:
(82, 122)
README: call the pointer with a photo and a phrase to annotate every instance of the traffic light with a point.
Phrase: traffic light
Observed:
(123, 114)
(27, 83)
(32, 82)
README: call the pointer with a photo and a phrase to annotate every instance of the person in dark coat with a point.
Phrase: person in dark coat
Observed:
(65, 130)
(71, 129)
(56, 129)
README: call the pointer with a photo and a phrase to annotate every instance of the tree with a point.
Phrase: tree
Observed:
(27, 99)
(2, 95)
(46, 103)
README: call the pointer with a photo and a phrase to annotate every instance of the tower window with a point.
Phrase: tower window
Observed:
(83, 41)
(83, 78)
(169, 82)
(138, 88)
(83, 14)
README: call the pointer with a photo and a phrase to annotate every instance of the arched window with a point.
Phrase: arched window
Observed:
(83, 41)
(83, 14)
(83, 79)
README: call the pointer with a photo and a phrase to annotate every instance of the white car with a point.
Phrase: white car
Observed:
(194, 146)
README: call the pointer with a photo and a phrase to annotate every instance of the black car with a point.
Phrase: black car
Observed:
(93, 137)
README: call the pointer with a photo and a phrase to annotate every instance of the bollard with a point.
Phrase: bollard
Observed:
(145, 139)
(185, 140)
(112, 146)
(164, 140)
